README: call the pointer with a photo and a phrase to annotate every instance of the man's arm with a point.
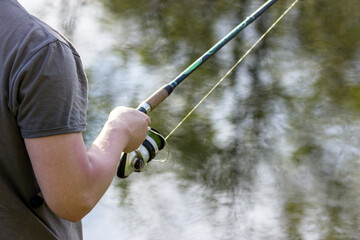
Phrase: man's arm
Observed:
(72, 178)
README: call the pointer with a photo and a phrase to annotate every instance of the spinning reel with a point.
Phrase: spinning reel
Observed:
(137, 160)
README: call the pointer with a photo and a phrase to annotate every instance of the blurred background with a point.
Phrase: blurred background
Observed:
(273, 153)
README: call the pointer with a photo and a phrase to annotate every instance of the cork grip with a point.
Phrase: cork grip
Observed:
(158, 97)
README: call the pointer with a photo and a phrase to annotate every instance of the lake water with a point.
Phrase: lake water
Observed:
(273, 153)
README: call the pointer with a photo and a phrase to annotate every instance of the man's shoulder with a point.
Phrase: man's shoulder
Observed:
(25, 33)
(23, 36)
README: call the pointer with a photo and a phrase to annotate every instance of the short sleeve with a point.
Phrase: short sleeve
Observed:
(51, 92)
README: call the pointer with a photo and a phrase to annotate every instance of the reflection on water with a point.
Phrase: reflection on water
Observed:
(273, 153)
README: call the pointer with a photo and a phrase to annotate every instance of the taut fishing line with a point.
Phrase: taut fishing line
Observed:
(232, 68)
(166, 145)
(155, 142)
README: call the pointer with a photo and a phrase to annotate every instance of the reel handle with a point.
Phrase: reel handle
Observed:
(121, 172)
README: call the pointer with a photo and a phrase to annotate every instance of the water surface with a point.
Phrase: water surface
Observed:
(273, 153)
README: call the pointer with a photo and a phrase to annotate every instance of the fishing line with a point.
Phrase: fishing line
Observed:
(232, 68)
(136, 161)
(166, 145)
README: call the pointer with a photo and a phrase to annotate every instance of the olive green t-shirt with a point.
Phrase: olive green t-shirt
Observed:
(43, 92)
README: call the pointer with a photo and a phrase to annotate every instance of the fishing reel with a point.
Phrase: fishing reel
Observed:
(137, 160)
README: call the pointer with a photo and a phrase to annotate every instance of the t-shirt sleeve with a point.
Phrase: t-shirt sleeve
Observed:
(51, 92)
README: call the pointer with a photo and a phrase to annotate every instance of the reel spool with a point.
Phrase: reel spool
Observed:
(137, 160)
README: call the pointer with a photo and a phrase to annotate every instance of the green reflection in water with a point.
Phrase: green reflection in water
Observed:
(293, 104)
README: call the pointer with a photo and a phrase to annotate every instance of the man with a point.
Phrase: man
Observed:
(48, 179)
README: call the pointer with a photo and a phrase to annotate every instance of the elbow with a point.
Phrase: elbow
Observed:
(72, 213)
(72, 218)
(73, 209)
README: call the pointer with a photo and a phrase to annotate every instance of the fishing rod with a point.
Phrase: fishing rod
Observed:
(154, 142)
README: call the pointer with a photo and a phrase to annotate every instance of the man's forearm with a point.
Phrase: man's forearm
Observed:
(72, 178)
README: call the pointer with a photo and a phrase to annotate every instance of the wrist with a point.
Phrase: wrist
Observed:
(118, 132)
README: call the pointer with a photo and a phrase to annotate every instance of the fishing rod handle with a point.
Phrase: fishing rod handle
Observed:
(155, 99)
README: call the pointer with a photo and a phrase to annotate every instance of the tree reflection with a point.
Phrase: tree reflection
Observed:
(327, 32)
(69, 14)
(272, 106)
(177, 33)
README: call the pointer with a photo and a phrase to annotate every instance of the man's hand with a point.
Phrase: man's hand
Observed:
(133, 122)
